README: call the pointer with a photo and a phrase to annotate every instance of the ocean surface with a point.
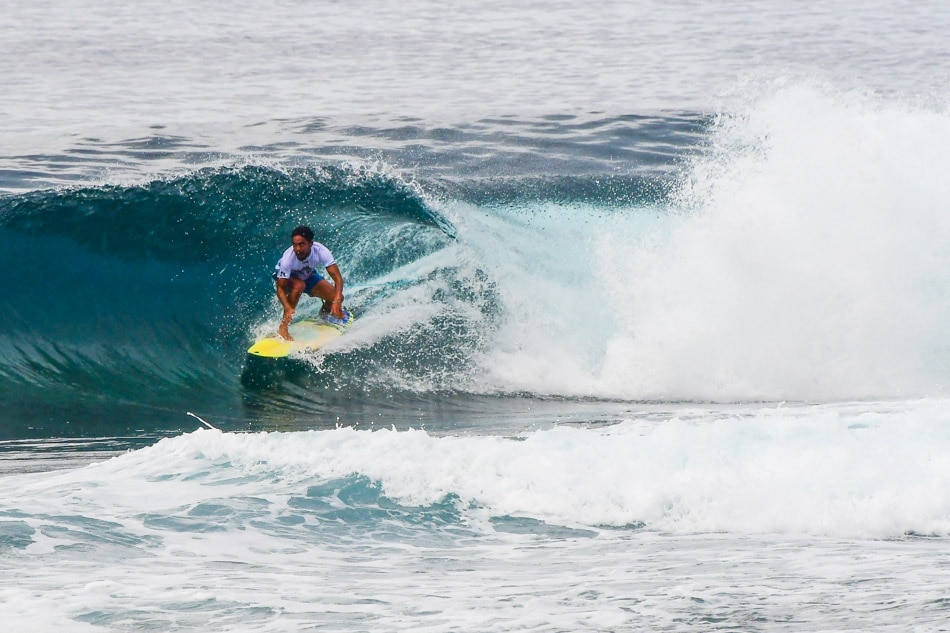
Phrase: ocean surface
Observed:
(653, 316)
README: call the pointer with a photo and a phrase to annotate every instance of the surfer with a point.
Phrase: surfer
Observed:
(296, 273)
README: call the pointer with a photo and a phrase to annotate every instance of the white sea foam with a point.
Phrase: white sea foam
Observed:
(743, 507)
(805, 258)
(858, 471)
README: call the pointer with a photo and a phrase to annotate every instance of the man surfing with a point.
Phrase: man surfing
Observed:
(296, 273)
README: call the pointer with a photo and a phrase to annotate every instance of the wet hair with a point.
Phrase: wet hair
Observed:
(304, 232)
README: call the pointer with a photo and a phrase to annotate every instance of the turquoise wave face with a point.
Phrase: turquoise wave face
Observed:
(145, 296)
(781, 262)
(150, 294)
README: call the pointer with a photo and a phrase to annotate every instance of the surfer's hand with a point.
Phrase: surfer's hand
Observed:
(336, 309)
(282, 330)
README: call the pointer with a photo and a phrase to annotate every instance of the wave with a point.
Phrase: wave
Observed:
(158, 288)
(192, 218)
(850, 471)
(148, 294)
(799, 256)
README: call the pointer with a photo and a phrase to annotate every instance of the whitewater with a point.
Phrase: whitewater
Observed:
(651, 317)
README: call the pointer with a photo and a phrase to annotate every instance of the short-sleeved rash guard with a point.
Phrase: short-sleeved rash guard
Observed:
(289, 266)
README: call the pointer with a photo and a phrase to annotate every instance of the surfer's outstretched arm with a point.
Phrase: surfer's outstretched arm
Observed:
(288, 293)
(336, 302)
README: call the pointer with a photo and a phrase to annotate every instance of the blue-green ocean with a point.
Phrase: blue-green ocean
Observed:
(652, 310)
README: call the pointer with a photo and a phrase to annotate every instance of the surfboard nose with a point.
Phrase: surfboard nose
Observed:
(270, 348)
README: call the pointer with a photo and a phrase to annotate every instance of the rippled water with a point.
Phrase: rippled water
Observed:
(75, 68)
(651, 316)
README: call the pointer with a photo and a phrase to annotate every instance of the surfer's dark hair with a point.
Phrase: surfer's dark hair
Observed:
(304, 232)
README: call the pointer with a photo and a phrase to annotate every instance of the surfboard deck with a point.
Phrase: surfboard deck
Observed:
(309, 336)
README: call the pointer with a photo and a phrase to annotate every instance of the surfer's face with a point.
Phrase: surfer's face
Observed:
(301, 247)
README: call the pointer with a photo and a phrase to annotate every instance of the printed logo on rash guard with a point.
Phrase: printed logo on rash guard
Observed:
(303, 273)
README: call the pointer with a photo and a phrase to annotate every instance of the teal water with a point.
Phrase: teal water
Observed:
(651, 300)
(169, 330)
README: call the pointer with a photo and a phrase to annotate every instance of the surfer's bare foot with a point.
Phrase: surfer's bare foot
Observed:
(283, 333)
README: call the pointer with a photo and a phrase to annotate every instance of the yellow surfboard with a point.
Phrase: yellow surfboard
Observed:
(309, 336)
